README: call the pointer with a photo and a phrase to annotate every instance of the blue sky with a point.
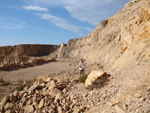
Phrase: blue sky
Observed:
(51, 21)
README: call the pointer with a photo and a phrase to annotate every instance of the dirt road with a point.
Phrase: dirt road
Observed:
(32, 72)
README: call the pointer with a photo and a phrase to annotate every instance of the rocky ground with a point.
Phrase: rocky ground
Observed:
(63, 93)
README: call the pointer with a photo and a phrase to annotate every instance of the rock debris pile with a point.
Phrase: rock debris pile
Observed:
(47, 96)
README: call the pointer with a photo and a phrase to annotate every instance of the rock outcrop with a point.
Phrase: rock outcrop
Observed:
(124, 34)
(14, 57)
(121, 46)
(27, 50)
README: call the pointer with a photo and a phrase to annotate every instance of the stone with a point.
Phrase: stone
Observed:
(8, 106)
(119, 110)
(8, 111)
(29, 102)
(54, 92)
(138, 95)
(41, 104)
(4, 101)
(45, 91)
(64, 90)
(23, 100)
(42, 85)
(52, 84)
(31, 92)
(66, 107)
(50, 111)
(76, 110)
(15, 93)
(48, 84)
(20, 94)
(34, 86)
(29, 109)
(85, 94)
(58, 97)
(43, 78)
(59, 109)
(94, 75)
(25, 94)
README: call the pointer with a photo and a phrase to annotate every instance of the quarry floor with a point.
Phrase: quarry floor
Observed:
(16, 77)
(31, 73)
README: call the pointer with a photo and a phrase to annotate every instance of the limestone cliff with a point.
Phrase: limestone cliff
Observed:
(14, 57)
(127, 33)
(121, 45)
(27, 50)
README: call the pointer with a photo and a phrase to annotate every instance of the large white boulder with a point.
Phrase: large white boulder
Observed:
(94, 75)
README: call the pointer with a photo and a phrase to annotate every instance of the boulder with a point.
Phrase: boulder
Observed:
(43, 78)
(41, 103)
(13, 98)
(52, 84)
(8, 106)
(34, 86)
(59, 109)
(54, 92)
(29, 109)
(4, 101)
(93, 76)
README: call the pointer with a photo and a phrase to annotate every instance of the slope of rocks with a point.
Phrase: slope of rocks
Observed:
(47, 95)
(120, 46)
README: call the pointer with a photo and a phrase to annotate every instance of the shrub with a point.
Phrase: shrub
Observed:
(4, 83)
(21, 87)
(83, 78)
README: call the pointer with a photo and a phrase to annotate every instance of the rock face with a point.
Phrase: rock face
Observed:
(121, 46)
(27, 50)
(13, 57)
(124, 34)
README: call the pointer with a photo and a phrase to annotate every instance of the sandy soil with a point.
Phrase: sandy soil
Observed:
(32, 72)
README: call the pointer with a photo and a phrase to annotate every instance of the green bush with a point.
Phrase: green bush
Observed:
(4, 83)
(21, 87)
(83, 78)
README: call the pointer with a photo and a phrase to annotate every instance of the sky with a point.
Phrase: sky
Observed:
(52, 21)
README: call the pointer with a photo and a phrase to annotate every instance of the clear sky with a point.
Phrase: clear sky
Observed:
(51, 21)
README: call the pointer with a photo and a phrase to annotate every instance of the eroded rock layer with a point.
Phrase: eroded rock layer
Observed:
(14, 57)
